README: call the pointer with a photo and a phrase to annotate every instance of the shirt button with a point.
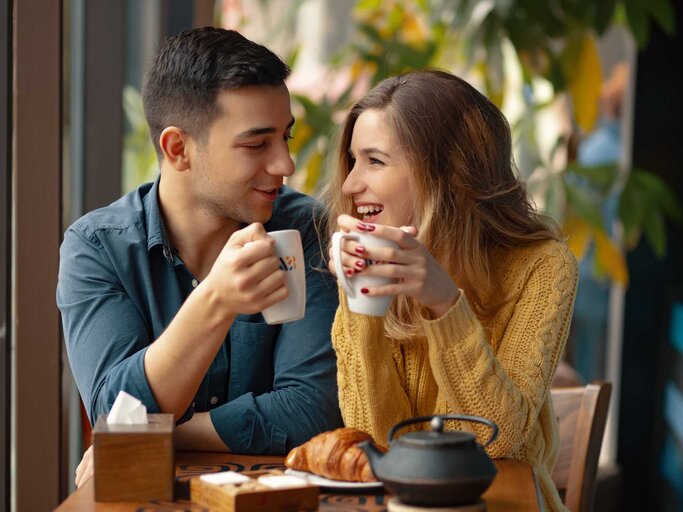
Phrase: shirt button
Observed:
(194, 283)
(214, 400)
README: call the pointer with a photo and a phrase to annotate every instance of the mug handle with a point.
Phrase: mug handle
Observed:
(338, 267)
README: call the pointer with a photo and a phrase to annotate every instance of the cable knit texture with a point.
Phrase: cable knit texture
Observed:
(500, 370)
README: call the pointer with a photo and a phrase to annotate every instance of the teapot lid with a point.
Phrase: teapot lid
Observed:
(436, 437)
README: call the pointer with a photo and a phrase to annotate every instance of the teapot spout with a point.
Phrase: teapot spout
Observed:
(374, 456)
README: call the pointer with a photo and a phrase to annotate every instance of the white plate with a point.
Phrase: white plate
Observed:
(332, 484)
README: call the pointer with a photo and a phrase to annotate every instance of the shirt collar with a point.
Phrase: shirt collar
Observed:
(156, 231)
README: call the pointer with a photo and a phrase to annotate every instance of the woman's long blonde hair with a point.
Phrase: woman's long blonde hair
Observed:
(469, 199)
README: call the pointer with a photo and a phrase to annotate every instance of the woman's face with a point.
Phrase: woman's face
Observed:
(380, 182)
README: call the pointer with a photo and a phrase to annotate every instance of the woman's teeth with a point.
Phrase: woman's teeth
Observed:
(369, 210)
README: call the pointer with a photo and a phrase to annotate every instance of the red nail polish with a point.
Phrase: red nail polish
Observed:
(361, 226)
(349, 273)
(364, 290)
(360, 264)
(369, 227)
(360, 249)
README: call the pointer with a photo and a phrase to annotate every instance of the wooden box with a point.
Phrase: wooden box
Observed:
(253, 496)
(134, 462)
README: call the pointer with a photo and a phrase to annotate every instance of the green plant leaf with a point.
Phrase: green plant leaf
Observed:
(583, 204)
(604, 14)
(659, 194)
(371, 32)
(293, 56)
(662, 12)
(600, 178)
(638, 21)
(632, 212)
(655, 233)
(645, 203)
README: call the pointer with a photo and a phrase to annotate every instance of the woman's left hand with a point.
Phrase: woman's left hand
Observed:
(417, 273)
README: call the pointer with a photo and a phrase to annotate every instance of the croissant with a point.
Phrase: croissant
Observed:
(334, 455)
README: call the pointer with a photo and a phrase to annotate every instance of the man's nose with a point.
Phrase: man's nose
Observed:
(282, 165)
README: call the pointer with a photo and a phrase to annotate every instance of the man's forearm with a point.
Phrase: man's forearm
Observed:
(177, 361)
(199, 434)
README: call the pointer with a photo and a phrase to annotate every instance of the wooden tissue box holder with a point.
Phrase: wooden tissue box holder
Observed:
(134, 462)
(254, 496)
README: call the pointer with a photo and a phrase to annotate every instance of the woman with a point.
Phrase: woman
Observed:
(484, 285)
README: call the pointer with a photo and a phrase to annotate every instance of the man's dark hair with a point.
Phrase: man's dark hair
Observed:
(191, 68)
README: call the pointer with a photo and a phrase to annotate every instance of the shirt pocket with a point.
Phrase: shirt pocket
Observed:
(252, 345)
(254, 333)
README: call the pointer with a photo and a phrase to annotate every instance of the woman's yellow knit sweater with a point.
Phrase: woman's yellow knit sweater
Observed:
(501, 370)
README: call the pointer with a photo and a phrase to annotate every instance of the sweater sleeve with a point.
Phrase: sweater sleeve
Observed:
(372, 396)
(508, 385)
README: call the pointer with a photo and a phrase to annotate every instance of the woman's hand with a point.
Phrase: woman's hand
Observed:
(86, 468)
(417, 273)
(351, 255)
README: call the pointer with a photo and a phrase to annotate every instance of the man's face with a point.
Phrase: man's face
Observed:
(238, 170)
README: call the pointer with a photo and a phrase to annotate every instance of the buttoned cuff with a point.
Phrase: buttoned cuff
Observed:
(130, 377)
(244, 429)
(140, 385)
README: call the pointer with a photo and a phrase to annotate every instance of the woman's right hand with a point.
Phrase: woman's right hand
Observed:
(352, 251)
(86, 468)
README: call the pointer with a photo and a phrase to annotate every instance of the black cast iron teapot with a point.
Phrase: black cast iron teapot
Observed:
(434, 467)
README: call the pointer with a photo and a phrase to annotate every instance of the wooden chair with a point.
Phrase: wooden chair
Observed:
(85, 428)
(581, 414)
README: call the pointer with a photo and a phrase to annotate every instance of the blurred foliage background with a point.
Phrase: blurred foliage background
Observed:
(536, 59)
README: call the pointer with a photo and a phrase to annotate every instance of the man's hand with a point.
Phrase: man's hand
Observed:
(246, 276)
(86, 468)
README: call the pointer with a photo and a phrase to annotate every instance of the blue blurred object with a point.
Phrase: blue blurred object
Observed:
(591, 309)
(602, 146)
(671, 454)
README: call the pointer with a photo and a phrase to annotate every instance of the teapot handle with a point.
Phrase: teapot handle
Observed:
(437, 424)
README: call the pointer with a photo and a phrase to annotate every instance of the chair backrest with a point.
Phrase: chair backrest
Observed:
(581, 414)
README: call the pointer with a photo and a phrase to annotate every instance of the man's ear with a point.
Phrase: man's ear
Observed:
(173, 142)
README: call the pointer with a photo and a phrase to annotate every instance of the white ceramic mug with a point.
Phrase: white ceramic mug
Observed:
(359, 302)
(289, 251)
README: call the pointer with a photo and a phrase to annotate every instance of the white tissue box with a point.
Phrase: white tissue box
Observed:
(134, 462)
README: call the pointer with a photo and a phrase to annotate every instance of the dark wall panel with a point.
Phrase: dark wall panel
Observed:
(36, 188)
(5, 163)
(658, 131)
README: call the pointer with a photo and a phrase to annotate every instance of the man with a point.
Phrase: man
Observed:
(161, 291)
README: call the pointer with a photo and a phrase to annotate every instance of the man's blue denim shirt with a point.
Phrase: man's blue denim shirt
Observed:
(269, 388)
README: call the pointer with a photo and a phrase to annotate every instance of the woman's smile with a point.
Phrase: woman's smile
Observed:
(369, 212)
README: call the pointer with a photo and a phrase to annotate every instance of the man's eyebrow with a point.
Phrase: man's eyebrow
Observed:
(255, 132)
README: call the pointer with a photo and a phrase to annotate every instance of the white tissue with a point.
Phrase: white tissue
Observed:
(282, 482)
(226, 477)
(127, 410)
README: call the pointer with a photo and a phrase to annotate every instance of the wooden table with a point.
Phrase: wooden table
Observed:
(515, 488)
